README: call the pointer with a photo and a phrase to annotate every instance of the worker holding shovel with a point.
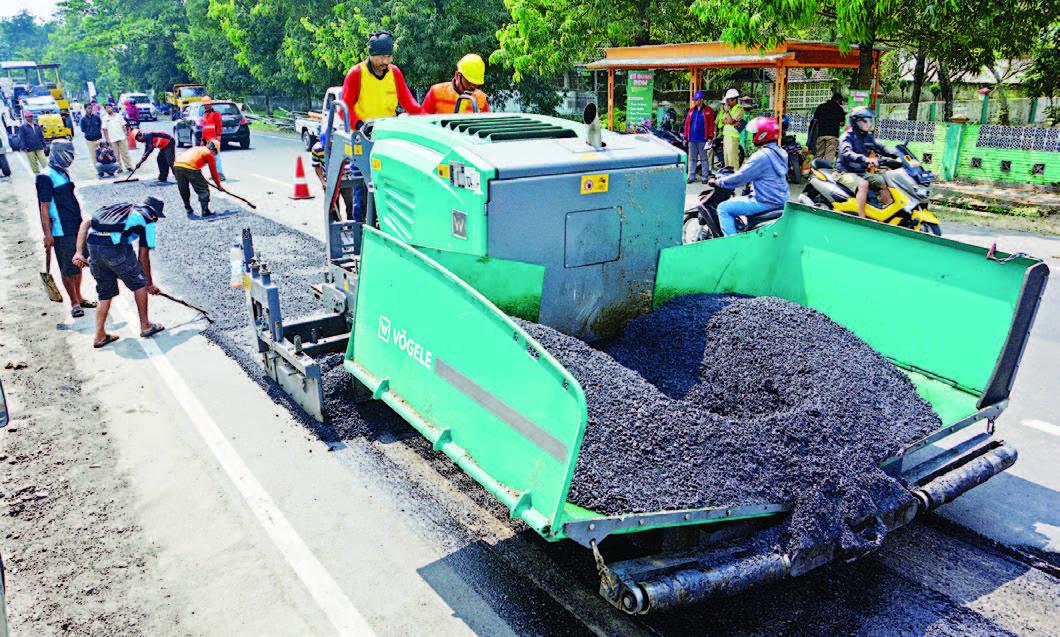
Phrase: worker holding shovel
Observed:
(108, 237)
(60, 218)
(166, 147)
(187, 171)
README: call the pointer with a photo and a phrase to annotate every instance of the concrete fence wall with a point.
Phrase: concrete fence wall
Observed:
(1012, 154)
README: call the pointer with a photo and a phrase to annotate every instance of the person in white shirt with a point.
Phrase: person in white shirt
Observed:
(115, 133)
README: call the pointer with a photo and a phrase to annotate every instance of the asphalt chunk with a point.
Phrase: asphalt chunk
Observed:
(716, 401)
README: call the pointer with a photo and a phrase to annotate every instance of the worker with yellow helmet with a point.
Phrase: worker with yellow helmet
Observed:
(464, 87)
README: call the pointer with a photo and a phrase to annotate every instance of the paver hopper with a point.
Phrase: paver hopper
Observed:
(474, 219)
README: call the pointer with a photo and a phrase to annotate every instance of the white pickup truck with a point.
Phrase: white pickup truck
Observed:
(308, 127)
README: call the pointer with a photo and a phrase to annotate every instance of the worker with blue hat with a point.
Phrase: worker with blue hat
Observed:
(699, 131)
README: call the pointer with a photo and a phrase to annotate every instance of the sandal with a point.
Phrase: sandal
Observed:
(76, 311)
(89, 305)
(107, 340)
(154, 329)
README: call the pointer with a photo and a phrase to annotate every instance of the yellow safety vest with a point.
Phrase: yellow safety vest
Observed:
(378, 97)
(736, 112)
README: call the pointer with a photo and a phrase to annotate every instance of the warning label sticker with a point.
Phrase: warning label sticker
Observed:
(592, 184)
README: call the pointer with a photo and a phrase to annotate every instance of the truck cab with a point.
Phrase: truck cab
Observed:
(182, 96)
(308, 127)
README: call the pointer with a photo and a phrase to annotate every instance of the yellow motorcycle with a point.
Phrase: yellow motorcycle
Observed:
(907, 181)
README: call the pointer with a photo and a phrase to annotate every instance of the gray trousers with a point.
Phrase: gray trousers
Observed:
(698, 151)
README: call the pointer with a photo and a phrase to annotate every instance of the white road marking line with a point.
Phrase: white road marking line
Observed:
(1041, 425)
(275, 181)
(343, 615)
(286, 139)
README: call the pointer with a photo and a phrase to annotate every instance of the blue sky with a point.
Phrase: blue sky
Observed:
(41, 8)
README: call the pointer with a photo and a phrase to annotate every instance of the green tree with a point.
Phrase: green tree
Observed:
(849, 22)
(207, 55)
(23, 38)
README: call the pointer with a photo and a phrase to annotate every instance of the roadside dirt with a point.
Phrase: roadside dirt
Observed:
(77, 563)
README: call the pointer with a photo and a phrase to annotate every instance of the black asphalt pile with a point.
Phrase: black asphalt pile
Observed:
(729, 401)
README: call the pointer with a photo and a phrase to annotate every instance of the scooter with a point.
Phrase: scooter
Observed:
(796, 158)
(702, 223)
(717, 146)
(907, 181)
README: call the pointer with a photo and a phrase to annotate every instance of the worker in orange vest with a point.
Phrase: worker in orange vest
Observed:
(373, 89)
(212, 129)
(187, 169)
(470, 75)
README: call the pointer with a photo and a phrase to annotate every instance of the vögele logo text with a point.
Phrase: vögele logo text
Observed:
(401, 339)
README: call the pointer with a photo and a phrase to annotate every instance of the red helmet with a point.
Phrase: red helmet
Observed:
(763, 130)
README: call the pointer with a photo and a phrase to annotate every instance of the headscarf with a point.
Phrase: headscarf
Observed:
(61, 156)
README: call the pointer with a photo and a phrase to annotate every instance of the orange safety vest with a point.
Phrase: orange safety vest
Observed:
(378, 97)
(443, 96)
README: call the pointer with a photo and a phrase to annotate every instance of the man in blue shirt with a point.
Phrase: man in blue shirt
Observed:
(766, 169)
(60, 217)
(31, 141)
(108, 235)
(699, 131)
(92, 127)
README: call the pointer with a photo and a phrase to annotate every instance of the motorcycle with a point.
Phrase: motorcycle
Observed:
(907, 181)
(675, 140)
(702, 223)
(796, 158)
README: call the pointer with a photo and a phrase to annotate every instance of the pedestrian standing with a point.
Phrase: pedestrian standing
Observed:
(699, 131)
(731, 123)
(96, 108)
(212, 128)
(92, 129)
(186, 171)
(132, 115)
(166, 146)
(443, 97)
(829, 117)
(106, 162)
(115, 133)
(31, 141)
(108, 236)
(60, 218)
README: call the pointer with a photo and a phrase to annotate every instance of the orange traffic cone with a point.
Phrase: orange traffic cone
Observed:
(132, 139)
(301, 188)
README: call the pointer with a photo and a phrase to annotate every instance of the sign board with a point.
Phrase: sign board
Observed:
(91, 90)
(640, 86)
(858, 99)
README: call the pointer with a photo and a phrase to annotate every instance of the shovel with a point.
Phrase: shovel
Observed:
(130, 179)
(230, 193)
(47, 280)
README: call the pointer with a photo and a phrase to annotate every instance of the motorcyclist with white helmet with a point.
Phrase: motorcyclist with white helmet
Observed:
(858, 157)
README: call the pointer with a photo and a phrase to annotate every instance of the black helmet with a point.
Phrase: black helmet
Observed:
(860, 113)
(154, 205)
(381, 43)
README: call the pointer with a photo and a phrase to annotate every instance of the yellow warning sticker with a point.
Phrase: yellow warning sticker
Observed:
(376, 164)
(358, 150)
(443, 171)
(592, 184)
(592, 155)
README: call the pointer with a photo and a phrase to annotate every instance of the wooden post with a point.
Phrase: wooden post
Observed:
(610, 99)
(780, 95)
(875, 79)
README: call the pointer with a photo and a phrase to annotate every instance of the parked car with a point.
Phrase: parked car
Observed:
(235, 129)
(308, 127)
(144, 108)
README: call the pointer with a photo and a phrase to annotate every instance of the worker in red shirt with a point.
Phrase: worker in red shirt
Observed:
(373, 89)
(166, 147)
(212, 129)
(470, 74)
(187, 169)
